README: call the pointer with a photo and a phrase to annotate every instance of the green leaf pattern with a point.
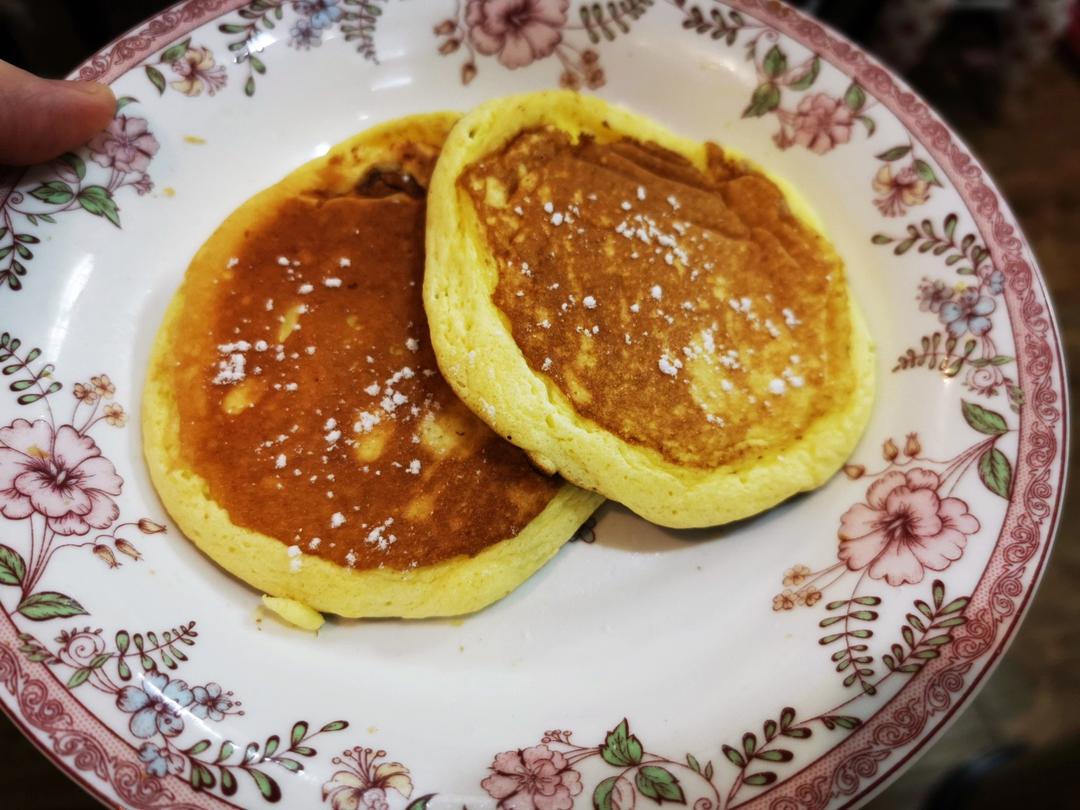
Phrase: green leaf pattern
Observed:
(621, 748)
(966, 341)
(659, 784)
(207, 765)
(356, 22)
(983, 419)
(62, 186)
(781, 79)
(46, 605)
(12, 566)
(996, 472)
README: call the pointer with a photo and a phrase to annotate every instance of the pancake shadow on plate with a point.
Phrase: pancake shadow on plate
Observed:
(619, 528)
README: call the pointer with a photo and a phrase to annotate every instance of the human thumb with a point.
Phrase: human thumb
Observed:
(42, 118)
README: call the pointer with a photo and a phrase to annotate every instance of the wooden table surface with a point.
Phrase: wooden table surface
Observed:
(1034, 696)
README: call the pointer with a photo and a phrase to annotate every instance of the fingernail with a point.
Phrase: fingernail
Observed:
(88, 88)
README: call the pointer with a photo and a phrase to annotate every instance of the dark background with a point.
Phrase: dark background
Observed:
(1005, 75)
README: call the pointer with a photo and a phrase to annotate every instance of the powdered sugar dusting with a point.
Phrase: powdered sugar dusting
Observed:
(230, 370)
(669, 365)
(365, 421)
(380, 536)
(295, 559)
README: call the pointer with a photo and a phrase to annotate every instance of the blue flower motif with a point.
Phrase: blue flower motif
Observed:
(995, 283)
(967, 313)
(159, 762)
(209, 702)
(321, 13)
(155, 706)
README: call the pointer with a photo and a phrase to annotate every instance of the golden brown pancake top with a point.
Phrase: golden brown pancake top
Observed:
(311, 403)
(687, 311)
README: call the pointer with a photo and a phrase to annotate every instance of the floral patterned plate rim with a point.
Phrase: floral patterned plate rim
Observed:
(801, 659)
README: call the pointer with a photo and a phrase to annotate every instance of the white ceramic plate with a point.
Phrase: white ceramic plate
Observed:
(765, 664)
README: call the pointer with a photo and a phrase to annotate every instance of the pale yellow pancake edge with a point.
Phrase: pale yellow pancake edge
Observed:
(452, 587)
(478, 356)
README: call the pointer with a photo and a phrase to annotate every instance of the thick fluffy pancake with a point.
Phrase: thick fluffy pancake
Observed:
(643, 314)
(294, 420)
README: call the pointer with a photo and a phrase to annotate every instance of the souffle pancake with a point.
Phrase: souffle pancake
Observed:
(653, 318)
(295, 422)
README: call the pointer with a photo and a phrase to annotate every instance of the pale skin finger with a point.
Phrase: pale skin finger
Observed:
(43, 118)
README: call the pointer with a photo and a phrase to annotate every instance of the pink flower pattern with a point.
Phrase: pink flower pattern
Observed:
(126, 145)
(819, 123)
(904, 528)
(61, 475)
(517, 31)
(536, 778)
